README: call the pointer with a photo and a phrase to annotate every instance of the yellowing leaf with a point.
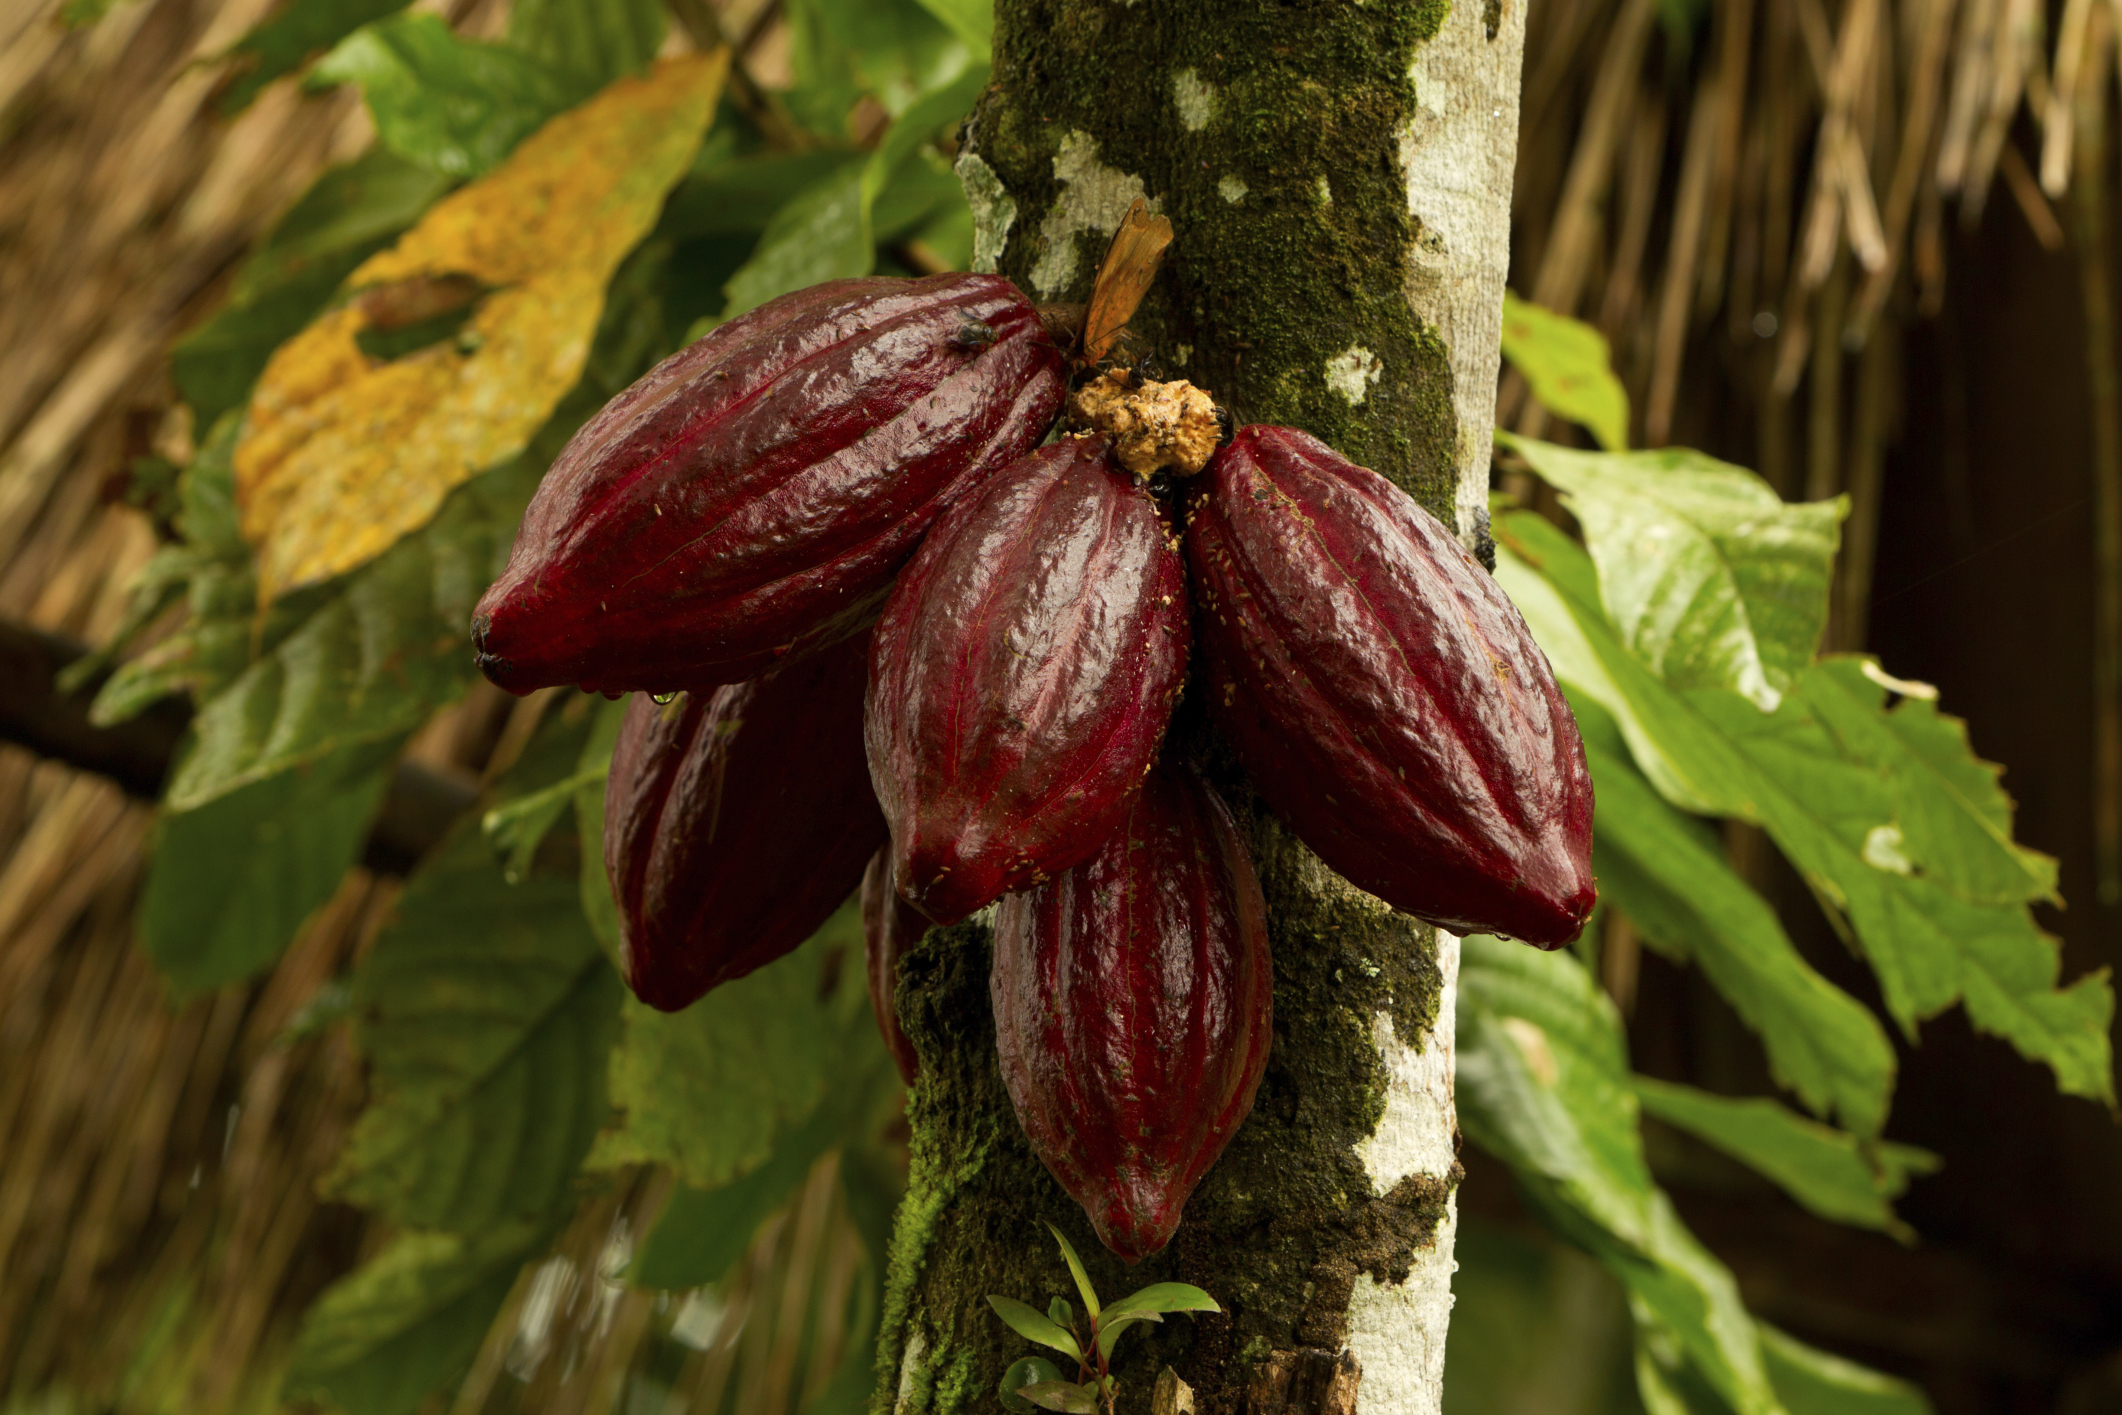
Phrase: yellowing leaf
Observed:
(344, 452)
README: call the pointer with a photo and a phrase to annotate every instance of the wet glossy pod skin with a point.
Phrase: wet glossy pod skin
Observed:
(1133, 1010)
(890, 926)
(1384, 694)
(753, 494)
(736, 821)
(1023, 675)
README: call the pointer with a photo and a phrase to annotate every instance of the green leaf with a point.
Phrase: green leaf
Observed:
(1670, 877)
(1062, 1396)
(692, 1087)
(488, 1018)
(1110, 1330)
(1543, 1084)
(588, 43)
(1075, 1270)
(822, 234)
(1829, 1171)
(1029, 1370)
(231, 881)
(1032, 1324)
(1568, 367)
(702, 1233)
(1712, 579)
(971, 20)
(740, 196)
(454, 106)
(285, 42)
(1813, 1382)
(408, 1322)
(1878, 809)
(1163, 1297)
(894, 50)
(516, 829)
(379, 651)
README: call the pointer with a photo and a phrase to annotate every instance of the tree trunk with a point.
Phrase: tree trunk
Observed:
(1339, 178)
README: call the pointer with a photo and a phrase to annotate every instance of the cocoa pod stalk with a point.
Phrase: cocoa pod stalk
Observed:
(736, 821)
(1385, 696)
(1023, 676)
(890, 926)
(1133, 1001)
(752, 495)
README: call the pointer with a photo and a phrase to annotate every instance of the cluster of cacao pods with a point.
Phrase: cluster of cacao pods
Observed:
(923, 654)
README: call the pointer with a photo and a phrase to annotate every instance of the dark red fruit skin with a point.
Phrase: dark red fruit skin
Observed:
(1385, 695)
(890, 926)
(753, 494)
(1023, 675)
(1133, 1002)
(736, 821)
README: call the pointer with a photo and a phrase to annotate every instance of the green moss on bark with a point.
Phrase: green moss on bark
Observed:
(1263, 295)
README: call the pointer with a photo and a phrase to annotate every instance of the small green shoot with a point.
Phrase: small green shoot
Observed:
(1034, 1383)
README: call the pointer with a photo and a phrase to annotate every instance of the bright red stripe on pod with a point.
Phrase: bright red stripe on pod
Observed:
(736, 821)
(1133, 1001)
(753, 494)
(1023, 675)
(890, 926)
(1385, 695)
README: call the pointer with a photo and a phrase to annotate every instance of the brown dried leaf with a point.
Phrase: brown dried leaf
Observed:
(341, 453)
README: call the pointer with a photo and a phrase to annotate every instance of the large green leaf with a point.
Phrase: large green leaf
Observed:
(588, 42)
(893, 50)
(1543, 1084)
(1829, 1171)
(348, 214)
(1712, 579)
(454, 106)
(829, 230)
(710, 1091)
(1880, 810)
(1669, 876)
(408, 1322)
(1813, 1382)
(231, 881)
(487, 1017)
(591, 773)
(741, 195)
(821, 234)
(1568, 367)
(281, 44)
(703, 1232)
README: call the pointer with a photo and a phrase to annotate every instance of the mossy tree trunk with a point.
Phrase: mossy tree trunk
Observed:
(1338, 174)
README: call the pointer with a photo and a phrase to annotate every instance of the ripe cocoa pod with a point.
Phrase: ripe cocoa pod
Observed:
(1023, 675)
(753, 494)
(1385, 695)
(890, 926)
(735, 821)
(1133, 1002)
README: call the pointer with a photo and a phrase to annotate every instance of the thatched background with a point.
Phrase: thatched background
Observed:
(1860, 246)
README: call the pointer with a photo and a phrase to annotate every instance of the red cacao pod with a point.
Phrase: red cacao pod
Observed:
(1385, 695)
(1023, 675)
(890, 926)
(755, 492)
(1133, 1002)
(736, 821)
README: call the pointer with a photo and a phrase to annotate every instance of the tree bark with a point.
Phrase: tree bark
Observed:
(1339, 176)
